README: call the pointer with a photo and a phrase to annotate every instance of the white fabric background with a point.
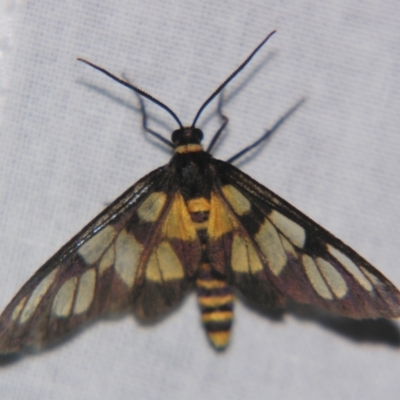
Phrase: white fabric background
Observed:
(71, 142)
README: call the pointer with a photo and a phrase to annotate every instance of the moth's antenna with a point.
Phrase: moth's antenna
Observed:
(230, 77)
(135, 89)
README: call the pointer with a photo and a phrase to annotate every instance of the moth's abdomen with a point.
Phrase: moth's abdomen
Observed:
(215, 298)
(215, 295)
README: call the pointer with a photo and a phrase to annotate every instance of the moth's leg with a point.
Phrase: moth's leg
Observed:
(268, 132)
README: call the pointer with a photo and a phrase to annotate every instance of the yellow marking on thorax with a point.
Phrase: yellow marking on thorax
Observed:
(189, 148)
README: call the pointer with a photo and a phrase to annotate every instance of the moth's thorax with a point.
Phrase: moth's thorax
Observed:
(192, 171)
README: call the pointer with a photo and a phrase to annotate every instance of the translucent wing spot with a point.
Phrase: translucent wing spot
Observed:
(64, 299)
(97, 244)
(150, 209)
(153, 272)
(371, 277)
(350, 267)
(271, 246)
(294, 232)
(236, 199)
(333, 278)
(244, 258)
(18, 308)
(288, 246)
(164, 264)
(220, 221)
(37, 295)
(200, 204)
(315, 278)
(85, 294)
(178, 224)
(127, 257)
(107, 260)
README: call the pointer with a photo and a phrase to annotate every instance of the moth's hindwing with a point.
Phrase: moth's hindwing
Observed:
(134, 256)
(277, 252)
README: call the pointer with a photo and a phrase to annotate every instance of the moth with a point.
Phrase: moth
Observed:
(196, 222)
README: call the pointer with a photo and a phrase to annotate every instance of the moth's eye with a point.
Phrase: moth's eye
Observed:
(175, 135)
(198, 134)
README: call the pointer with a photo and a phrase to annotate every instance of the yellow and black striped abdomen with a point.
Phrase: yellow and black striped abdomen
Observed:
(216, 298)
(215, 295)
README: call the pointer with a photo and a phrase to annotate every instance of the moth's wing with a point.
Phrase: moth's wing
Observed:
(277, 249)
(231, 251)
(102, 270)
(170, 258)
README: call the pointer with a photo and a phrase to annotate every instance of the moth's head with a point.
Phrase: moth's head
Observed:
(184, 136)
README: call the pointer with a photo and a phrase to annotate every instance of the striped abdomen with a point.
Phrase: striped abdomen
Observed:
(215, 295)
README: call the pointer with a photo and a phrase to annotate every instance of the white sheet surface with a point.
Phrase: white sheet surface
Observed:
(71, 141)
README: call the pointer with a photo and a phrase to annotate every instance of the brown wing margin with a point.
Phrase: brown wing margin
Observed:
(304, 261)
(77, 283)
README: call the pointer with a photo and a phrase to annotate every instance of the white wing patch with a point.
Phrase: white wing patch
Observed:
(333, 278)
(36, 296)
(288, 247)
(127, 257)
(315, 278)
(85, 294)
(64, 299)
(239, 203)
(371, 277)
(164, 264)
(294, 232)
(351, 268)
(244, 258)
(96, 245)
(271, 246)
(150, 209)
(107, 261)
